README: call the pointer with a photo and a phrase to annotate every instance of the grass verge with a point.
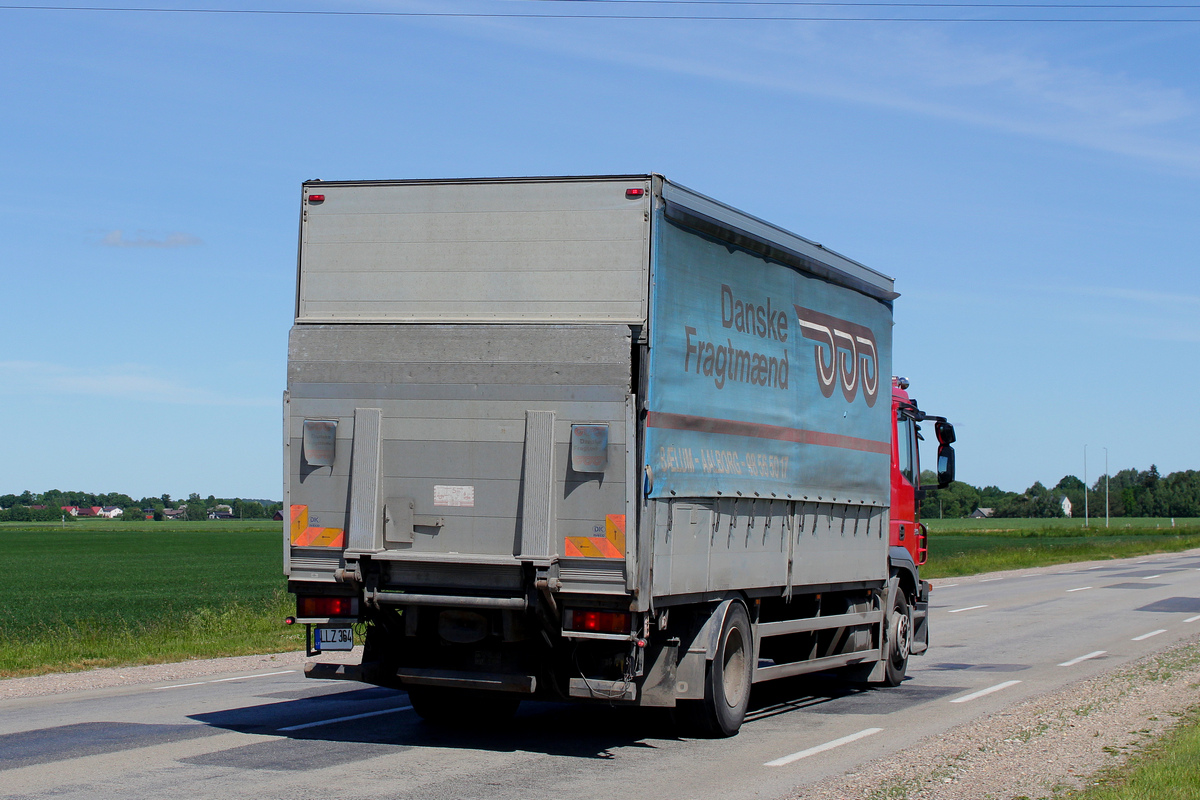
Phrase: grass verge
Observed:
(1167, 769)
(961, 547)
(140, 593)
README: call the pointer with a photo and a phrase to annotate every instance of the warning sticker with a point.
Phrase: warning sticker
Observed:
(454, 496)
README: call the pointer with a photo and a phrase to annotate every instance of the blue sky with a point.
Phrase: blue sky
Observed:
(1034, 189)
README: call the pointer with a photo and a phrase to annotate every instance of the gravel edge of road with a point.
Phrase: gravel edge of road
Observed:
(1037, 748)
(111, 677)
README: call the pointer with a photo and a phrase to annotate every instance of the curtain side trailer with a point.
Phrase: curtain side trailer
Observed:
(596, 438)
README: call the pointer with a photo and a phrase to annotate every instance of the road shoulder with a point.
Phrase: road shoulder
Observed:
(1049, 743)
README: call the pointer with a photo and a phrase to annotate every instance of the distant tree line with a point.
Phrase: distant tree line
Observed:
(1131, 493)
(23, 507)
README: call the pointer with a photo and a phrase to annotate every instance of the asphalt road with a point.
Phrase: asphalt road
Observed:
(274, 734)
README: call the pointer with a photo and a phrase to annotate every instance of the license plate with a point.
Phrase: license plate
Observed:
(333, 639)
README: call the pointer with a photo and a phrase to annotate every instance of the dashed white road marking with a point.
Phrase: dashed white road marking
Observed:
(982, 692)
(989, 580)
(1192, 619)
(345, 719)
(944, 585)
(1075, 661)
(225, 680)
(968, 608)
(1148, 635)
(1150, 577)
(1080, 589)
(821, 748)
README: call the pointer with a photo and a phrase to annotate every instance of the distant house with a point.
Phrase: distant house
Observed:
(89, 511)
(278, 516)
(72, 510)
(174, 513)
(220, 514)
(111, 512)
(982, 513)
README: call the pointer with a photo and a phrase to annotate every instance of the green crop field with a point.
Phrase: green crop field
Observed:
(107, 593)
(970, 546)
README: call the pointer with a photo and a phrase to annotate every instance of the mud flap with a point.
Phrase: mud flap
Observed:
(662, 675)
(920, 615)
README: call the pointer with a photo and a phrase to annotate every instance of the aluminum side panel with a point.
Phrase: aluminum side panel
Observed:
(520, 251)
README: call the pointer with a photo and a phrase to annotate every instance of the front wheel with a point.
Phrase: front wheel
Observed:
(727, 680)
(899, 640)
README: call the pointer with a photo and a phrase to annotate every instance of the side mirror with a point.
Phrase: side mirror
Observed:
(945, 468)
(945, 435)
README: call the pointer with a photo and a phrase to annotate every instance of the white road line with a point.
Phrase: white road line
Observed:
(989, 580)
(944, 585)
(968, 608)
(821, 748)
(1192, 619)
(1080, 589)
(224, 680)
(345, 719)
(1148, 635)
(982, 692)
(1150, 577)
(1075, 661)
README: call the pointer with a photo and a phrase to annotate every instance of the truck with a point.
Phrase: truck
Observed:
(595, 439)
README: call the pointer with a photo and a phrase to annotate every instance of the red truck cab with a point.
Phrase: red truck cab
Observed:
(908, 537)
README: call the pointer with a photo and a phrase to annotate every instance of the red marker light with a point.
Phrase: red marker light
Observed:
(633, 194)
(289, 621)
(596, 621)
(316, 198)
(323, 607)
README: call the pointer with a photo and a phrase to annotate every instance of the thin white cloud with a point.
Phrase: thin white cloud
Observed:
(1024, 86)
(128, 382)
(119, 238)
(1164, 299)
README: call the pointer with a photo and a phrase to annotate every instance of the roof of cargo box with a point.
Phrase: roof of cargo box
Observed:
(728, 223)
(387, 254)
(715, 218)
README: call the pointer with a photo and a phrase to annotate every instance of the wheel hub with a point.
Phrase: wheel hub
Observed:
(902, 636)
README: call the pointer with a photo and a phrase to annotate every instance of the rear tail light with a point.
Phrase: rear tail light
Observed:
(596, 621)
(922, 544)
(324, 607)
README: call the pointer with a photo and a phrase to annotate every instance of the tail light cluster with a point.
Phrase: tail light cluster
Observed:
(922, 544)
(324, 606)
(591, 621)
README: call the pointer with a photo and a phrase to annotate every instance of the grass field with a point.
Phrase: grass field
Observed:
(970, 546)
(107, 593)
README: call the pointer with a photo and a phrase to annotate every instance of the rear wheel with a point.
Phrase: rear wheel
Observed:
(899, 640)
(727, 680)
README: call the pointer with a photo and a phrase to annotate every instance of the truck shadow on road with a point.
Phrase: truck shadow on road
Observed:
(374, 721)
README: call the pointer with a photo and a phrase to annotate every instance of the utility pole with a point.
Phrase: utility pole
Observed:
(1085, 488)
(1106, 487)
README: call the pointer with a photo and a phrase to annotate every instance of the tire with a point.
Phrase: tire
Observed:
(899, 641)
(727, 681)
(462, 708)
